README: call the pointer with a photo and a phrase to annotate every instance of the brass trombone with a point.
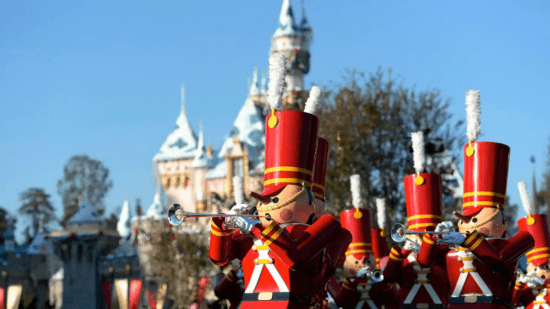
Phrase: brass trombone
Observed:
(176, 214)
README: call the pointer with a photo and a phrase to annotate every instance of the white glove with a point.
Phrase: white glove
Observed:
(235, 210)
(533, 279)
(455, 238)
(363, 272)
(445, 226)
(523, 279)
(238, 209)
(245, 223)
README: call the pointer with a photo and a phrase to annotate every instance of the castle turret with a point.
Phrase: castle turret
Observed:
(293, 41)
(175, 159)
(200, 163)
(123, 226)
(80, 247)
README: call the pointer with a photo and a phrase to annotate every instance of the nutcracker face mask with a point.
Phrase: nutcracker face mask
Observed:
(490, 222)
(293, 204)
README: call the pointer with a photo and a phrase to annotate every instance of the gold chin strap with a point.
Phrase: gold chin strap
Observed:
(282, 204)
(481, 223)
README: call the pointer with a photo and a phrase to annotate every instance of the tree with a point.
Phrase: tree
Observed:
(83, 177)
(368, 122)
(37, 206)
(510, 212)
(175, 255)
(5, 220)
(139, 210)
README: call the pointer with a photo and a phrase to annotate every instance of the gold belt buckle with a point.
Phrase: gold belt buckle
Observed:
(422, 306)
(470, 299)
(265, 296)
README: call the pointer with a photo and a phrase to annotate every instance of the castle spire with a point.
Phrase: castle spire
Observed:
(255, 85)
(123, 225)
(182, 142)
(200, 159)
(287, 25)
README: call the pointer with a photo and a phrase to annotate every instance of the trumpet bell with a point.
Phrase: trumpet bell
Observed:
(176, 214)
(398, 233)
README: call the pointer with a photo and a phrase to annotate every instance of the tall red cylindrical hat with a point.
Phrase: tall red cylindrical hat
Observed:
(379, 244)
(485, 176)
(537, 226)
(357, 222)
(423, 197)
(320, 169)
(289, 149)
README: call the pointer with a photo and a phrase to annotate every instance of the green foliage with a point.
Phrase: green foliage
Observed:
(83, 176)
(368, 121)
(36, 204)
(176, 255)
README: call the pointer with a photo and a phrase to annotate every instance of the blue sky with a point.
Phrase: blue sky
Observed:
(102, 78)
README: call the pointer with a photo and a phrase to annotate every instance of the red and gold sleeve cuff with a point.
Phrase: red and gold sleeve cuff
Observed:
(396, 255)
(271, 233)
(428, 239)
(519, 286)
(217, 230)
(473, 240)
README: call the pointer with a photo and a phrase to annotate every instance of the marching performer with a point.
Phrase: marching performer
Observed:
(282, 261)
(538, 272)
(364, 287)
(378, 236)
(482, 270)
(419, 267)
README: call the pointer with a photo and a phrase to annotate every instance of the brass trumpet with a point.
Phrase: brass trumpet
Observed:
(399, 233)
(176, 214)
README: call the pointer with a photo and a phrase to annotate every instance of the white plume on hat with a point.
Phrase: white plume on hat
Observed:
(355, 183)
(473, 110)
(522, 185)
(277, 72)
(238, 189)
(381, 212)
(313, 100)
(419, 157)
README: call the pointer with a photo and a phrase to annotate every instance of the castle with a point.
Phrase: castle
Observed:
(190, 172)
(87, 265)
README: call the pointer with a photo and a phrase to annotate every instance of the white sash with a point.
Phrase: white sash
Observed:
(416, 286)
(264, 254)
(463, 276)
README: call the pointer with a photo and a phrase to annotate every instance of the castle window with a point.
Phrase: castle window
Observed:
(177, 182)
(168, 183)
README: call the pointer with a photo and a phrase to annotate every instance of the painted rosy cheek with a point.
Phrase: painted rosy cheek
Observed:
(286, 214)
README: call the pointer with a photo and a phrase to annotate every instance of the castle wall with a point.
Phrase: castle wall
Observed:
(177, 179)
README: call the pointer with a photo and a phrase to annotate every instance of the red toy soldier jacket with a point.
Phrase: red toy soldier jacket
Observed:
(422, 278)
(483, 271)
(281, 263)
(230, 288)
(523, 295)
(542, 300)
(361, 293)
